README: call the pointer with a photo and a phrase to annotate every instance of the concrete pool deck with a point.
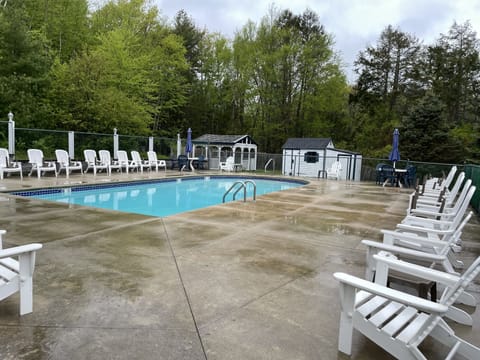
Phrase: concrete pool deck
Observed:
(234, 281)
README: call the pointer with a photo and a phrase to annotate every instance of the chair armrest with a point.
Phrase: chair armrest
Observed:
(418, 270)
(395, 295)
(413, 238)
(426, 212)
(424, 229)
(399, 250)
(412, 218)
(17, 250)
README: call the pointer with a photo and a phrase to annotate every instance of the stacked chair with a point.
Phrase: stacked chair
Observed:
(420, 251)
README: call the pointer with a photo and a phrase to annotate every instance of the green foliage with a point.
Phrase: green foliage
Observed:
(425, 133)
(25, 60)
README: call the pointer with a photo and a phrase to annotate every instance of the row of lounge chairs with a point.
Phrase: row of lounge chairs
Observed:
(103, 162)
(421, 252)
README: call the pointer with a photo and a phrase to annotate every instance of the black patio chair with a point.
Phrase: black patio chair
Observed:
(388, 173)
(182, 161)
(380, 176)
(410, 176)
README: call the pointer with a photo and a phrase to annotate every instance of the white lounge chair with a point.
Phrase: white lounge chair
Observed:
(228, 165)
(153, 161)
(93, 163)
(16, 273)
(441, 221)
(399, 322)
(35, 158)
(137, 160)
(106, 159)
(436, 185)
(125, 162)
(7, 166)
(63, 159)
(442, 209)
(425, 248)
(334, 171)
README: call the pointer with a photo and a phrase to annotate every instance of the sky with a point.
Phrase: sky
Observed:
(354, 24)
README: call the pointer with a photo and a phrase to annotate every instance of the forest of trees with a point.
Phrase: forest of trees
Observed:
(67, 65)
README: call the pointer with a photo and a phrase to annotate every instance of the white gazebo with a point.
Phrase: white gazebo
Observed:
(216, 149)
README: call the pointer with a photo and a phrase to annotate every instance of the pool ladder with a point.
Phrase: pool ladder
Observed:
(239, 185)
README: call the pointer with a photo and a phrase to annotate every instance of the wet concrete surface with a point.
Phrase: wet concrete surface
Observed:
(234, 281)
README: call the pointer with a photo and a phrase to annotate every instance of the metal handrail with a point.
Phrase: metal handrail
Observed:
(231, 187)
(243, 185)
(268, 163)
(254, 187)
(244, 192)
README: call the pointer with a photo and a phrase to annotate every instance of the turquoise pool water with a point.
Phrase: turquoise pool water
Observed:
(159, 197)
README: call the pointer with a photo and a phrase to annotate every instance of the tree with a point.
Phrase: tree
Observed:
(385, 87)
(25, 60)
(129, 78)
(63, 22)
(453, 72)
(425, 133)
(290, 70)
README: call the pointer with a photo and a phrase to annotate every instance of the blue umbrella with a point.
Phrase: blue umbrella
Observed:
(395, 154)
(189, 145)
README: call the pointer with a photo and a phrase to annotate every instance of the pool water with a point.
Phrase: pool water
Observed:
(161, 197)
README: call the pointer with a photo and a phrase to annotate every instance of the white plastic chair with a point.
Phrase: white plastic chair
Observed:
(137, 160)
(399, 322)
(35, 158)
(93, 163)
(106, 159)
(16, 273)
(63, 159)
(334, 171)
(228, 164)
(6, 166)
(153, 161)
(125, 162)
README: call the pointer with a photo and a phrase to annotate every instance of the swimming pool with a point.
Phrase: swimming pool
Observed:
(160, 197)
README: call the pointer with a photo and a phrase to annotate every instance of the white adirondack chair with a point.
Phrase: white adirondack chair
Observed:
(334, 171)
(228, 164)
(442, 222)
(106, 159)
(63, 159)
(427, 252)
(93, 162)
(411, 246)
(35, 158)
(6, 166)
(450, 197)
(137, 160)
(125, 162)
(436, 185)
(399, 322)
(444, 209)
(153, 161)
(16, 273)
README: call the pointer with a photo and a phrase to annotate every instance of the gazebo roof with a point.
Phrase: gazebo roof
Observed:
(222, 139)
(307, 143)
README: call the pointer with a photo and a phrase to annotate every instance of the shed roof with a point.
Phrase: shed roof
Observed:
(307, 143)
(221, 139)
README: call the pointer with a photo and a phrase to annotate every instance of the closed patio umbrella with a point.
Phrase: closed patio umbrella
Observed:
(395, 153)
